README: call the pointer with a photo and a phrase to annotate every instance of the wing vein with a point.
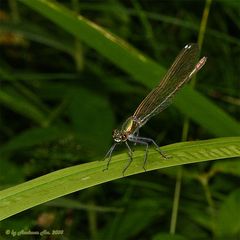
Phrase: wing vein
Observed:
(183, 68)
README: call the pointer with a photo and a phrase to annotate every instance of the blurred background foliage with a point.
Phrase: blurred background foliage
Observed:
(60, 100)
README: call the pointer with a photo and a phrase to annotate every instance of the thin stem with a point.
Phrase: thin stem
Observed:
(14, 11)
(202, 30)
(203, 24)
(78, 54)
(209, 198)
(92, 220)
(56, 112)
(146, 24)
(204, 181)
(186, 122)
(177, 192)
(185, 130)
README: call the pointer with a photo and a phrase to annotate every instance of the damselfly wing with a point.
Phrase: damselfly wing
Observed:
(183, 68)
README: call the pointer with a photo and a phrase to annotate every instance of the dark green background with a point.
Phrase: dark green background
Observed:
(62, 92)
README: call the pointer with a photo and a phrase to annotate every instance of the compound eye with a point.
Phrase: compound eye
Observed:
(124, 137)
(115, 132)
(117, 136)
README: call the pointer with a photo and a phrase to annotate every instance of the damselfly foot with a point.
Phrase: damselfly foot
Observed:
(109, 156)
(163, 154)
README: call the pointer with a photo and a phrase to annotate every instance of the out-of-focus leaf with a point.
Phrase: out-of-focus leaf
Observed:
(19, 104)
(36, 33)
(167, 236)
(138, 216)
(230, 167)
(35, 136)
(10, 173)
(205, 113)
(75, 204)
(191, 230)
(195, 212)
(233, 4)
(38, 76)
(228, 220)
(87, 108)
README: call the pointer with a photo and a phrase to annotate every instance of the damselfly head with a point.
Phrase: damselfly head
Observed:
(119, 136)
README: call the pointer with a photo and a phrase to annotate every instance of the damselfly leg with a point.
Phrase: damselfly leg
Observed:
(109, 156)
(145, 141)
(130, 152)
(136, 134)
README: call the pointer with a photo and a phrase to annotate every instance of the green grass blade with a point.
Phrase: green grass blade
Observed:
(35, 33)
(13, 100)
(107, 44)
(33, 137)
(40, 190)
(205, 113)
(133, 62)
(90, 136)
(228, 220)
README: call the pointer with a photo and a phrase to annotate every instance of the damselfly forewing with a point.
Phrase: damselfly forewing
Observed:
(182, 70)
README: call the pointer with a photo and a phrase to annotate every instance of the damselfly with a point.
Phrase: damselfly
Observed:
(181, 71)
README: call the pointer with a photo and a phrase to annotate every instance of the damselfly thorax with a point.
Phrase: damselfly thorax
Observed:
(182, 70)
(129, 133)
(129, 127)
